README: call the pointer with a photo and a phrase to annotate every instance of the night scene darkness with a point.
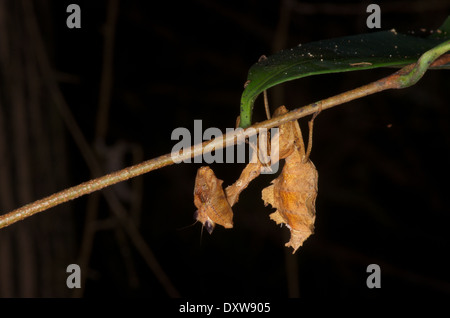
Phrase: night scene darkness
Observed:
(78, 103)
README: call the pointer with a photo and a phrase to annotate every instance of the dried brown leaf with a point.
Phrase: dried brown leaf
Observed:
(294, 192)
(210, 200)
(290, 134)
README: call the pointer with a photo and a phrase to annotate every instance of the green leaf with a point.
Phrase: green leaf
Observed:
(351, 53)
(443, 31)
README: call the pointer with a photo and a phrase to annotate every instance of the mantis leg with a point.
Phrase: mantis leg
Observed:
(310, 137)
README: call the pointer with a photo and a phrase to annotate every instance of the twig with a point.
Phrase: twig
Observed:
(107, 70)
(92, 163)
(101, 128)
(405, 77)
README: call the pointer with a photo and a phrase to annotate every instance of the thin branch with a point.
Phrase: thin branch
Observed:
(101, 129)
(107, 70)
(405, 77)
(92, 163)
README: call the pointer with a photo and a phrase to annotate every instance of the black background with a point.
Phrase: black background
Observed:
(382, 160)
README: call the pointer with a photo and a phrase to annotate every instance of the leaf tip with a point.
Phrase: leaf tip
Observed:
(297, 239)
